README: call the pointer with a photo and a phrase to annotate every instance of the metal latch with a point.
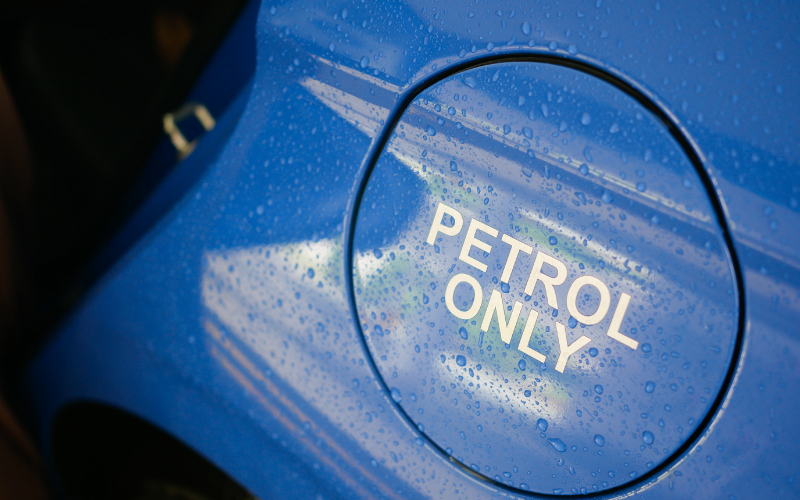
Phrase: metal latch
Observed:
(171, 121)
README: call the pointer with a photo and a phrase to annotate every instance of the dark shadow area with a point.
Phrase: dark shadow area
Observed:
(91, 81)
(101, 452)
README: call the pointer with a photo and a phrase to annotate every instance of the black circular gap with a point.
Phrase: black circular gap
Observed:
(660, 112)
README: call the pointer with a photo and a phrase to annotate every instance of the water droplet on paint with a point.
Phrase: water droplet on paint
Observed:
(396, 396)
(557, 444)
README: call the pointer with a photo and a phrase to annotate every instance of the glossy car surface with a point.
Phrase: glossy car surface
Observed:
(233, 324)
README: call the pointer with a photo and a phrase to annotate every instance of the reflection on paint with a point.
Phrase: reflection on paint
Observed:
(277, 307)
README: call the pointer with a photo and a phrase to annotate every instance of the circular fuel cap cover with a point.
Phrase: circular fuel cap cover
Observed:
(542, 279)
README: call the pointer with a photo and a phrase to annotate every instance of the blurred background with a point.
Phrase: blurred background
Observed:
(84, 89)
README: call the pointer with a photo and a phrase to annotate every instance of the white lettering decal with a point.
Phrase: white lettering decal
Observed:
(476, 301)
(495, 307)
(616, 322)
(516, 246)
(549, 282)
(471, 241)
(567, 350)
(437, 225)
(602, 308)
(526, 337)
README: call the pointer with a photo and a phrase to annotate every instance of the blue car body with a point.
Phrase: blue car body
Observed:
(227, 314)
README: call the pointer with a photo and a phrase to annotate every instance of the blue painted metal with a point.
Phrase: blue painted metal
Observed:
(230, 325)
(570, 170)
